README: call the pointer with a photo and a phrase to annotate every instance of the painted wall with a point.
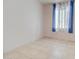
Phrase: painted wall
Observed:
(22, 22)
(47, 26)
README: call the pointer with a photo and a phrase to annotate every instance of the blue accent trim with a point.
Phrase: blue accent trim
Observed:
(53, 18)
(71, 16)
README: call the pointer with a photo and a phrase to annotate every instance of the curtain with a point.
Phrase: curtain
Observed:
(71, 16)
(62, 17)
(53, 17)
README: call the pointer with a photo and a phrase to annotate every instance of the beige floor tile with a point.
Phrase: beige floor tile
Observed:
(15, 55)
(44, 49)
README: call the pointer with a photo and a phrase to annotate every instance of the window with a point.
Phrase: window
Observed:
(63, 17)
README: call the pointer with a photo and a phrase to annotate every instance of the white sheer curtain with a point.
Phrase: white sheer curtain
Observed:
(61, 16)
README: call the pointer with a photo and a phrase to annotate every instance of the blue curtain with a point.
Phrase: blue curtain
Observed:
(70, 30)
(53, 18)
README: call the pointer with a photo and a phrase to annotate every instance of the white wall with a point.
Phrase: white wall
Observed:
(22, 22)
(47, 26)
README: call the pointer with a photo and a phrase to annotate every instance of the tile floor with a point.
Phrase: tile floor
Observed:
(44, 49)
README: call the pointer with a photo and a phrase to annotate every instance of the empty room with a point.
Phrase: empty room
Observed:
(38, 29)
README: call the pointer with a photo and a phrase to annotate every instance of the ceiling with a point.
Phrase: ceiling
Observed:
(52, 1)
